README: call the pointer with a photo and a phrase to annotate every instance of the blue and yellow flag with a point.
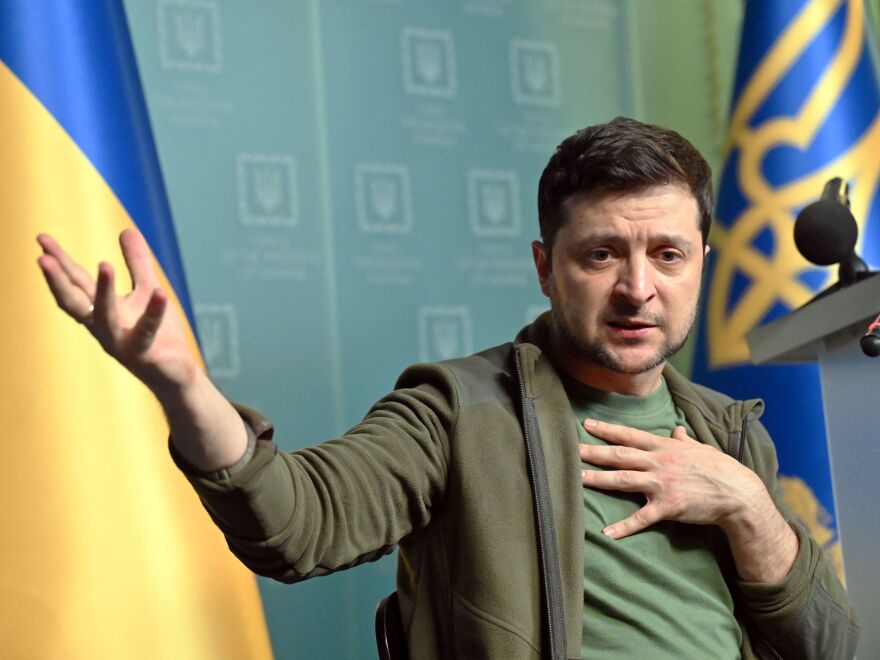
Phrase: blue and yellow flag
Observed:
(105, 551)
(805, 109)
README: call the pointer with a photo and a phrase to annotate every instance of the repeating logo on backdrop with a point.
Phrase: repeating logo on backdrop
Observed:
(493, 203)
(383, 198)
(444, 332)
(189, 35)
(428, 62)
(218, 336)
(268, 195)
(534, 73)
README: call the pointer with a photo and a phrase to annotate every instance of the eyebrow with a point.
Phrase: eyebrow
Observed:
(673, 240)
(610, 237)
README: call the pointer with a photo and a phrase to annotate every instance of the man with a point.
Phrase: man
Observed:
(663, 529)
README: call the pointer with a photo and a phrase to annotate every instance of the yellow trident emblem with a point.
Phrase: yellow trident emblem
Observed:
(774, 278)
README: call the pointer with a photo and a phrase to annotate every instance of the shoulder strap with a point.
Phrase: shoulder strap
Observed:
(548, 552)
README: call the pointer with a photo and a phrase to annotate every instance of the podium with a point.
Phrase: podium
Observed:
(827, 331)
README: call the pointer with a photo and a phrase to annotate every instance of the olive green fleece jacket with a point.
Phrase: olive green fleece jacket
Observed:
(438, 467)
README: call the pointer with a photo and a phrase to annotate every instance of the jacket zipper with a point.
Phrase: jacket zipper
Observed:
(527, 414)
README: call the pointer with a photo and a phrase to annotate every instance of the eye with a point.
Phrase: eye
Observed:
(600, 255)
(669, 256)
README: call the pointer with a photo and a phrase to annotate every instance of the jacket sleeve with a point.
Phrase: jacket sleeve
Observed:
(291, 516)
(808, 614)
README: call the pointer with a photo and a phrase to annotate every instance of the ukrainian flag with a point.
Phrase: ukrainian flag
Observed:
(105, 551)
(805, 109)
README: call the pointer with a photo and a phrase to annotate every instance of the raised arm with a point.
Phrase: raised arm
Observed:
(148, 337)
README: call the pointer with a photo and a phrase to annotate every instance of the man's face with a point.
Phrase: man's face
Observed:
(625, 278)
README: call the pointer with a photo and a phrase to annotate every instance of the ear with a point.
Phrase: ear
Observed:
(542, 265)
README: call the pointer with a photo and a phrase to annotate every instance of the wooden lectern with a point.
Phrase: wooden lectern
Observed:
(827, 331)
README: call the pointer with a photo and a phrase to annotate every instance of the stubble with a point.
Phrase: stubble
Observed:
(601, 355)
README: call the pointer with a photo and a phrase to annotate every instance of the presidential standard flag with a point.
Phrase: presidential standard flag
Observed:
(805, 109)
(105, 551)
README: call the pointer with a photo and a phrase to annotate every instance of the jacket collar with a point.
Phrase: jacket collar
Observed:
(717, 411)
(533, 345)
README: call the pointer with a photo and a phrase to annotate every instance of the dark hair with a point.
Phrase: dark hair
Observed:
(622, 155)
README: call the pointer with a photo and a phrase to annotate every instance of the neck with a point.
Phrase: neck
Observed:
(602, 378)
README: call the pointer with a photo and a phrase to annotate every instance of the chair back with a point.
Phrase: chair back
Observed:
(389, 629)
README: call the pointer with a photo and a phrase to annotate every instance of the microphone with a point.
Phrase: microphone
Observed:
(870, 342)
(825, 231)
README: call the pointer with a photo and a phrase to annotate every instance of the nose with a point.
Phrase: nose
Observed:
(635, 281)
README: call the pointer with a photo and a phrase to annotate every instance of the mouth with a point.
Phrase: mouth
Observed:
(630, 328)
(631, 324)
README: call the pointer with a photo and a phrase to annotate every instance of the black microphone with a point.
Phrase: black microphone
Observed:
(870, 342)
(825, 231)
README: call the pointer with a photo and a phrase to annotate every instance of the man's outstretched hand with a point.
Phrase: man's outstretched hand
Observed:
(137, 329)
(691, 482)
(149, 338)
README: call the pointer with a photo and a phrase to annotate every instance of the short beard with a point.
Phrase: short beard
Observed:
(597, 354)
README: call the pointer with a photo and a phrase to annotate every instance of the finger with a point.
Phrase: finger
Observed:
(67, 296)
(138, 259)
(144, 331)
(105, 313)
(619, 456)
(78, 275)
(648, 515)
(626, 481)
(680, 433)
(621, 435)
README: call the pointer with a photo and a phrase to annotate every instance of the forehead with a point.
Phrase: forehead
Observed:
(651, 210)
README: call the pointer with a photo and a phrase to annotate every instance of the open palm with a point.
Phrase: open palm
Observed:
(139, 329)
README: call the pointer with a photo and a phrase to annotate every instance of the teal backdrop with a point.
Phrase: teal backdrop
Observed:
(353, 186)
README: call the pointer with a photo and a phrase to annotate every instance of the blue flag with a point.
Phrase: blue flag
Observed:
(106, 552)
(805, 109)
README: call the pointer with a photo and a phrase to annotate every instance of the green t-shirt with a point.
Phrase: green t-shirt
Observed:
(659, 593)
